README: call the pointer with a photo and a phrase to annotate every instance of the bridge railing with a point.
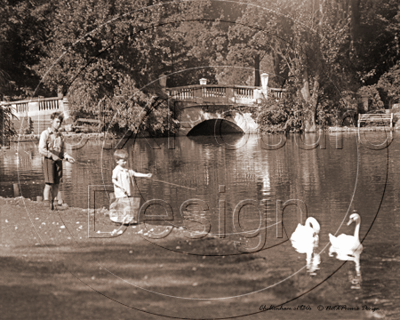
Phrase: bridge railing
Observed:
(244, 93)
(49, 104)
(277, 92)
(21, 107)
(37, 111)
(34, 106)
(221, 94)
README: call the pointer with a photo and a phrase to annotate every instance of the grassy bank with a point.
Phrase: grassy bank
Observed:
(55, 265)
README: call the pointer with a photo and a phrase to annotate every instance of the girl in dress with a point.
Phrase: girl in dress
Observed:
(125, 208)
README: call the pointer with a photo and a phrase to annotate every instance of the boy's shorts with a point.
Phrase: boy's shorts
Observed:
(52, 171)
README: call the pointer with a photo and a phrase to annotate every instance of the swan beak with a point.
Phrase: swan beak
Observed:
(350, 221)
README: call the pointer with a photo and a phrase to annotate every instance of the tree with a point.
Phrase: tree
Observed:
(97, 49)
(390, 83)
(378, 51)
(377, 48)
(306, 45)
(24, 28)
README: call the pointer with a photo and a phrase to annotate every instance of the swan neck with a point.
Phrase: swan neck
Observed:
(357, 230)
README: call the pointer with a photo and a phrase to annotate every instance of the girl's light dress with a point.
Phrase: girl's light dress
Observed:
(125, 208)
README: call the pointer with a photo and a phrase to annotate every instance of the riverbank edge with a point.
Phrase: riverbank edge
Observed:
(70, 213)
(103, 136)
(35, 137)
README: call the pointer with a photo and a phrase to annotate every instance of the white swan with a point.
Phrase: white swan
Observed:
(304, 239)
(348, 248)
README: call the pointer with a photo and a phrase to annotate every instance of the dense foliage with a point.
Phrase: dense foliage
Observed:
(107, 55)
(6, 130)
(287, 115)
(24, 34)
(322, 51)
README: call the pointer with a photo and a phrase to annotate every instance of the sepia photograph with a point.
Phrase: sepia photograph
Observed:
(199, 159)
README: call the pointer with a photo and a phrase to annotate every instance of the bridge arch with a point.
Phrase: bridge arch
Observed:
(215, 126)
(206, 119)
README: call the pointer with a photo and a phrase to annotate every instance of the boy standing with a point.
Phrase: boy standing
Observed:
(124, 208)
(51, 146)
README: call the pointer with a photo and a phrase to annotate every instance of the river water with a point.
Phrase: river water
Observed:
(327, 182)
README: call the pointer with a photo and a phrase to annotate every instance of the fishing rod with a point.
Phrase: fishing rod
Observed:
(173, 184)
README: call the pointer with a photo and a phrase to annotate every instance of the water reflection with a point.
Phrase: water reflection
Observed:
(355, 280)
(328, 180)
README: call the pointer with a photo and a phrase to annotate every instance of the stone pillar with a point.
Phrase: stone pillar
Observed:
(163, 80)
(264, 84)
(230, 95)
(60, 92)
(257, 95)
(65, 109)
(364, 100)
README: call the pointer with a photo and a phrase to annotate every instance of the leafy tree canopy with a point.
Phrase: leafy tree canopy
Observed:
(94, 50)
(99, 48)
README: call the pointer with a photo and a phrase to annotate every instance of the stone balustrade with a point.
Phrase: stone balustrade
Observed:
(37, 110)
(223, 95)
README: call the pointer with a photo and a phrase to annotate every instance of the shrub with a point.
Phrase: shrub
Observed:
(279, 115)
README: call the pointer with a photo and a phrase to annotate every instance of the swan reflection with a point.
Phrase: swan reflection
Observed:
(355, 280)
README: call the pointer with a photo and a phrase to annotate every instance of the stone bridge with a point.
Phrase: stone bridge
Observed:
(205, 109)
(209, 119)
